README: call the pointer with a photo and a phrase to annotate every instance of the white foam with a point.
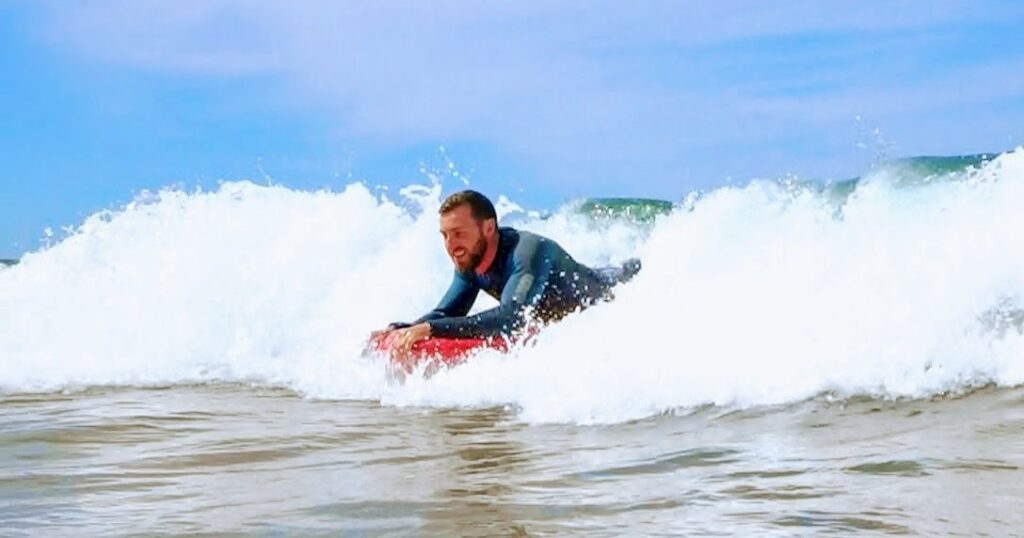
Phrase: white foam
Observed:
(755, 295)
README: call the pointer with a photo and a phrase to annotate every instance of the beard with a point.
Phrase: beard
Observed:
(476, 255)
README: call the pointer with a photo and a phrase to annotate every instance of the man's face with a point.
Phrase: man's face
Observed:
(465, 239)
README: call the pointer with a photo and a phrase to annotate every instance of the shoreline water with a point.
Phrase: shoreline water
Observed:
(233, 459)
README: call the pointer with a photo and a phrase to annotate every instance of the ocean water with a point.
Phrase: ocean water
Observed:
(794, 358)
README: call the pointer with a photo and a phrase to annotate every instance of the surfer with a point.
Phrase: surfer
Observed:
(531, 276)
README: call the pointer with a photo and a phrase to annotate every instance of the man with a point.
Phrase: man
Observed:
(531, 276)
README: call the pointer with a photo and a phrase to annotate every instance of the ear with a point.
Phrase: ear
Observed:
(490, 226)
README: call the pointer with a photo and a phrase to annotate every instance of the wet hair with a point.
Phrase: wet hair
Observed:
(481, 208)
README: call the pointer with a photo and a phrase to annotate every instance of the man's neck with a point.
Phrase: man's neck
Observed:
(489, 255)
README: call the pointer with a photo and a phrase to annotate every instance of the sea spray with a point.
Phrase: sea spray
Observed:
(754, 295)
(767, 295)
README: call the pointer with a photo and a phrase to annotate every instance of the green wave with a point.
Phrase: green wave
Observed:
(634, 209)
(939, 166)
(908, 172)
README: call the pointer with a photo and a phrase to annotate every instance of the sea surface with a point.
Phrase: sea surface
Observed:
(235, 460)
(795, 358)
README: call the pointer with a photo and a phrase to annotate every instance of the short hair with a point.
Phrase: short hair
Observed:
(481, 208)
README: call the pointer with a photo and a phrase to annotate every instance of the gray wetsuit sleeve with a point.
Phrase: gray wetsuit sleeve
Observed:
(456, 302)
(524, 287)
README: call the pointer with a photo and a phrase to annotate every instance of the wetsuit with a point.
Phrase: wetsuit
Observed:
(530, 273)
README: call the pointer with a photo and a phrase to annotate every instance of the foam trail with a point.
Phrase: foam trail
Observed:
(751, 296)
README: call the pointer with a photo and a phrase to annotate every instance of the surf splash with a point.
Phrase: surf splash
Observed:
(904, 283)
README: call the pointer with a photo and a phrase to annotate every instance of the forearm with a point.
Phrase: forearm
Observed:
(432, 315)
(499, 321)
(456, 302)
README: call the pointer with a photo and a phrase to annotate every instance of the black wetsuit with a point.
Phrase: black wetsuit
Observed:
(532, 276)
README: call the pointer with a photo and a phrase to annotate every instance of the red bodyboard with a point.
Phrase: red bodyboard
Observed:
(446, 351)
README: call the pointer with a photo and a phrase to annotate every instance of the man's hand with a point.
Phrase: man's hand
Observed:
(405, 338)
(380, 334)
(383, 333)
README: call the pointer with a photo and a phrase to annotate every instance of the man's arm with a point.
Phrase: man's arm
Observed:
(524, 288)
(456, 302)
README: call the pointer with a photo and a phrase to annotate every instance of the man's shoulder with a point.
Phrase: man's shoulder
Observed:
(520, 240)
(528, 245)
(522, 235)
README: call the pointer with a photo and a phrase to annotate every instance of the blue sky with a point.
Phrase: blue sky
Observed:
(541, 101)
